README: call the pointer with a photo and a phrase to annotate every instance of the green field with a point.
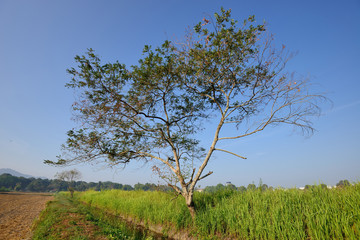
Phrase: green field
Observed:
(316, 213)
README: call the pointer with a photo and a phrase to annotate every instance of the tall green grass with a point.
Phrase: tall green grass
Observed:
(150, 207)
(316, 213)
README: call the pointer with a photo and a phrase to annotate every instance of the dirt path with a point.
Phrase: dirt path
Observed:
(17, 213)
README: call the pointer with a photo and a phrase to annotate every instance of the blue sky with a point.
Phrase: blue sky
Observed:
(39, 39)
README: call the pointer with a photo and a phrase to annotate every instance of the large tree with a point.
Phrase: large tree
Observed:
(222, 71)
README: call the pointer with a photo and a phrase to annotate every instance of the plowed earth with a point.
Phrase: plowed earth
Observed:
(18, 212)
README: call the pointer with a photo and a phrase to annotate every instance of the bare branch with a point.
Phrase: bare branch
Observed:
(230, 153)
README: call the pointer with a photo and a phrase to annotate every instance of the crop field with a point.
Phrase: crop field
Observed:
(316, 213)
(18, 211)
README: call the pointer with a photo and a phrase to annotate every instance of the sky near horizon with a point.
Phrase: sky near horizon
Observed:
(39, 40)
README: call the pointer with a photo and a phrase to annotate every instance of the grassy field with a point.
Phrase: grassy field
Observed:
(316, 213)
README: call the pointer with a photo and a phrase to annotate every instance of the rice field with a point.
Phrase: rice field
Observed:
(316, 213)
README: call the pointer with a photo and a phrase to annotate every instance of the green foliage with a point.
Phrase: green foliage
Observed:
(343, 183)
(241, 189)
(317, 213)
(4, 189)
(251, 186)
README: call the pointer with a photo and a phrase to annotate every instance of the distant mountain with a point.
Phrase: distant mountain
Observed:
(14, 173)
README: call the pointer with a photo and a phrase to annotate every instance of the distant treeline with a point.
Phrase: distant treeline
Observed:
(12, 183)
(263, 187)
(230, 186)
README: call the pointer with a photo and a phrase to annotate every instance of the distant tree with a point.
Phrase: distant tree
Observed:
(146, 187)
(38, 185)
(164, 188)
(343, 183)
(69, 176)
(98, 186)
(251, 187)
(225, 71)
(209, 189)
(219, 187)
(323, 186)
(263, 187)
(81, 186)
(92, 185)
(139, 186)
(60, 185)
(242, 189)
(127, 187)
(118, 186)
(231, 186)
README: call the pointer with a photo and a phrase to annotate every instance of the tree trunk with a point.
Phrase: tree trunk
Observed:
(190, 205)
(71, 190)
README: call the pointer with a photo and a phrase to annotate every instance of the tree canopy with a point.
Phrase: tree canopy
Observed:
(223, 70)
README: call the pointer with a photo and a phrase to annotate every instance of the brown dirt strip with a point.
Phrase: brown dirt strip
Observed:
(18, 212)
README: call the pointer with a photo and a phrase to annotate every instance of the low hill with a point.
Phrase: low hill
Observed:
(14, 173)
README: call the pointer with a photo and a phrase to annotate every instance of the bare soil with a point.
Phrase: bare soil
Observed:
(18, 212)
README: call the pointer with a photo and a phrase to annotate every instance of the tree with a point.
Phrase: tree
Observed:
(263, 187)
(323, 186)
(223, 71)
(69, 176)
(242, 189)
(343, 183)
(127, 187)
(37, 185)
(230, 186)
(251, 187)
(219, 187)
(210, 189)
(139, 186)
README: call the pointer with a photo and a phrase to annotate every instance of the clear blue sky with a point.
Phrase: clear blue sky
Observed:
(39, 39)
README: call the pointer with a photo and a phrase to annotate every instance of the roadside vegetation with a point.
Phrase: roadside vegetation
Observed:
(314, 213)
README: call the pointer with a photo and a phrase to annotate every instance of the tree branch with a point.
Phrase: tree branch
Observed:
(230, 153)
(206, 175)
(175, 188)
